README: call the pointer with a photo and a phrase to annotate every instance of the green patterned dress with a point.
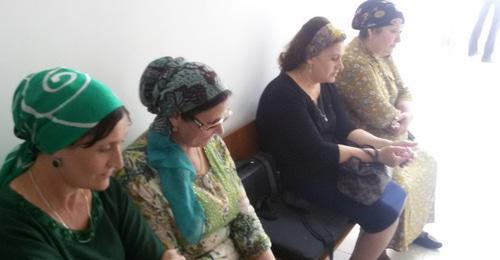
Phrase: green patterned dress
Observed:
(232, 230)
(371, 87)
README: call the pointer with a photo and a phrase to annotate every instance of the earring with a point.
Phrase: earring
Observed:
(174, 129)
(309, 68)
(57, 162)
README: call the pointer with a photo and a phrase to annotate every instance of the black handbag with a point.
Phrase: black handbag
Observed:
(298, 230)
(363, 182)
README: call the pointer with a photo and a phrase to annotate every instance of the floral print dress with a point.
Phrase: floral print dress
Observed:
(232, 230)
(370, 88)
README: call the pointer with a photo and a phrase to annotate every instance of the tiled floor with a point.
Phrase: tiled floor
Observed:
(415, 252)
(457, 119)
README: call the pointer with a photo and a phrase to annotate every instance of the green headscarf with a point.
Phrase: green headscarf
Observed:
(168, 87)
(52, 109)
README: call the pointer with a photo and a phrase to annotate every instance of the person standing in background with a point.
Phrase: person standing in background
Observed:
(492, 35)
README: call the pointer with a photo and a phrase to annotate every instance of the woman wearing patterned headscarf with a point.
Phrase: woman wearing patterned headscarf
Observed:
(302, 124)
(378, 102)
(180, 172)
(56, 197)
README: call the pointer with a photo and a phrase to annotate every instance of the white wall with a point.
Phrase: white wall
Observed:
(113, 40)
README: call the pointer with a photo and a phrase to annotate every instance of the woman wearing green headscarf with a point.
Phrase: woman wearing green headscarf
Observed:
(180, 172)
(56, 197)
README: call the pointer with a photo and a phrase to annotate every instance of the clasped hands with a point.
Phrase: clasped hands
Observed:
(398, 153)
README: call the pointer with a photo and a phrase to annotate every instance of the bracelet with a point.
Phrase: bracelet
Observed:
(367, 149)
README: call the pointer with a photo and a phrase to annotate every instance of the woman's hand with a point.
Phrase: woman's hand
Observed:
(404, 122)
(404, 143)
(395, 125)
(172, 254)
(395, 155)
(401, 123)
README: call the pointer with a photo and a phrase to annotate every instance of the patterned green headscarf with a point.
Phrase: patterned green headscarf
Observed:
(168, 87)
(52, 109)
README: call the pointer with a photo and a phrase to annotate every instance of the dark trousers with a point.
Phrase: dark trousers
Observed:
(490, 42)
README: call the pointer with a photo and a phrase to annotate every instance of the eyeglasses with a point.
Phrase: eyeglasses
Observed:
(211, 126)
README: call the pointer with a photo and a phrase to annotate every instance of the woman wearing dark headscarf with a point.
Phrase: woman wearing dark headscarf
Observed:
(56, 197)
(301, 122)
(180, 172)
(378, 102)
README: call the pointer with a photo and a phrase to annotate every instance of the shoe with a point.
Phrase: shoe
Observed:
(427, 241)
(486, 59)
(384, 256)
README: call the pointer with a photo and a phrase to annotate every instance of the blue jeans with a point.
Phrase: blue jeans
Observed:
(490, 42)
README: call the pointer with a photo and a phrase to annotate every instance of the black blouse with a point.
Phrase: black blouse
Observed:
(294, 130)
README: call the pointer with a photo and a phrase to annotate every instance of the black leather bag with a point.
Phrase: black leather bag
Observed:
(259, 179)
(297, 229)
(363, 182)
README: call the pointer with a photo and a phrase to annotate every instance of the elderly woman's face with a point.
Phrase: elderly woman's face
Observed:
(327, 64)
(383, 40)
(91, 167)
(197, 132)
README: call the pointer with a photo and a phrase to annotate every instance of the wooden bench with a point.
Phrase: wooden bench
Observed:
(243, 144)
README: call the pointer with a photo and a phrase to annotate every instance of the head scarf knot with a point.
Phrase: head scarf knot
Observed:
(52, 109)
(172, 86)
(376, 13)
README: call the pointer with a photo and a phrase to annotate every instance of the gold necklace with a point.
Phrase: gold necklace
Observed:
(47, 203)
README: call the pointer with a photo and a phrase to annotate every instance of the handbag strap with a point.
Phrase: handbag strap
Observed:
(316, 227)
(319, 231)
(367, 149)
(269, 170)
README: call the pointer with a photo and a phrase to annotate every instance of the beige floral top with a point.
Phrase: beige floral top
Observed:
(370, 87)
(232, 230)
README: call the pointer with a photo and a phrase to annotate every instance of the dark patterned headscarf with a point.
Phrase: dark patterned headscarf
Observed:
(376, 13)
(170, 87)
(323, 38)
